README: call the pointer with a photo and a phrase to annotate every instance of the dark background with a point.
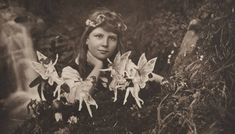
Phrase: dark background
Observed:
(157, 28)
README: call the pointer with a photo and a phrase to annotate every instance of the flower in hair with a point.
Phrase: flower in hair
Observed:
(94, 23)
(90, 23)
(101, 18)
(122, 26)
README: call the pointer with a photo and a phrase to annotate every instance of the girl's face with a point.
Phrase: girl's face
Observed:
(102, 44)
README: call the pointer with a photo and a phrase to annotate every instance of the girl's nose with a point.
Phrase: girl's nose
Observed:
(105, 42)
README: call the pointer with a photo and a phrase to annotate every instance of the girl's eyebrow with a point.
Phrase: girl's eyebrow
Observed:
(97, 33)
(112, 34)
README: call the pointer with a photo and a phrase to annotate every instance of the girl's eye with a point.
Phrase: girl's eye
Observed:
(113, 38)
(99, 36)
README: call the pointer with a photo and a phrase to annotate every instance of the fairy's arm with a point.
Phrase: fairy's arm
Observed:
(156, 78)
(57, 56)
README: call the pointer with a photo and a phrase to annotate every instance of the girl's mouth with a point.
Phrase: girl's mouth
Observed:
(103, 51)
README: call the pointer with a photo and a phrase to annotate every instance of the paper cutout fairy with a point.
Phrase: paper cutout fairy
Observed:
(79, 89)
(128, 76)
(117, 68)
(46, 69)
(138, 75)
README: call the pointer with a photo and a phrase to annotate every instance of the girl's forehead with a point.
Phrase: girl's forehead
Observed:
(99, 30)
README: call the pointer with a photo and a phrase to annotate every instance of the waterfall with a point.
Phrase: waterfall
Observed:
(18, 43)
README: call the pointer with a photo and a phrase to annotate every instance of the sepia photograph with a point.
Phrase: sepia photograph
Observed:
(117, 66)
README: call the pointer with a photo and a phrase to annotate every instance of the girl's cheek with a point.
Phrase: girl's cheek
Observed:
(115, 47)
(113, 44)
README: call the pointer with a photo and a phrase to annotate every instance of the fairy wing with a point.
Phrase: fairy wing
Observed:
(121, 61)
(131, 69)
(114, 64)
(90, 101)
(82, 94)
(86, 85)
(71, 95)
(142, 61)
(75, 92)
(145, 70)
(40, 56)
(116, 61)
(87, 98)
(117, 58)
(52, 74)
(40, 69)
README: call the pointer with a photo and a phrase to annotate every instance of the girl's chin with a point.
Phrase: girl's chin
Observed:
(103, 57)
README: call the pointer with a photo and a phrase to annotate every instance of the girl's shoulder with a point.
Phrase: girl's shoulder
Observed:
(70, 67)
(74, 64)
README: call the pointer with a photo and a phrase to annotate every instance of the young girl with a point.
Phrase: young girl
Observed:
(101, 39)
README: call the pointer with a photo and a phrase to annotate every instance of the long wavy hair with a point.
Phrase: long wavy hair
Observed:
(111, 23)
